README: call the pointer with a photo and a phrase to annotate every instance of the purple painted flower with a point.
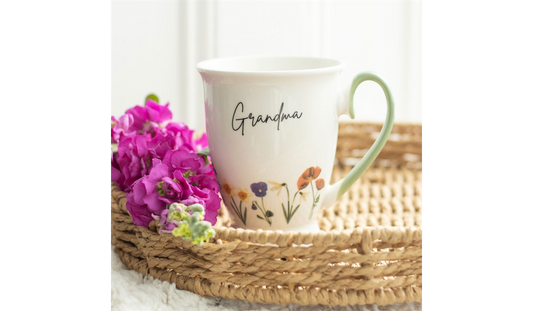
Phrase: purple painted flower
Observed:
(259, 189)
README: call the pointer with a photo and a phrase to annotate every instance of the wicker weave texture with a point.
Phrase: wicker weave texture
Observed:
(369, 252)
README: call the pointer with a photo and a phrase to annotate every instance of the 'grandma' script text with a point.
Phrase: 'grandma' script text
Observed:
(238, 123)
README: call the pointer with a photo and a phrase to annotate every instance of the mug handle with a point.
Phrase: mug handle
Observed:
(336, 190)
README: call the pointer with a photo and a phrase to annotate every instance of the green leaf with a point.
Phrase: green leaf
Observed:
(295, 210)
(260, 217)
(317, 198)
(245, 213)
(152, 97)
(284, 212)
(204, 151)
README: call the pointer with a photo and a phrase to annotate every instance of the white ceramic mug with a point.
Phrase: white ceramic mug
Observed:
(272, 126)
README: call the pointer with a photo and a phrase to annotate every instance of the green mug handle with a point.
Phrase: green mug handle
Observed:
(344, 184)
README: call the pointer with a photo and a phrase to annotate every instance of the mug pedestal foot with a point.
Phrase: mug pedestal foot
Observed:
(310, 227)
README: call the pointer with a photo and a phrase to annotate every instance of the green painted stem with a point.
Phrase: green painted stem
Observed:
(314, 200)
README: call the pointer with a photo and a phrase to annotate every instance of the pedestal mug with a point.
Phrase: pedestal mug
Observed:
(272, 125)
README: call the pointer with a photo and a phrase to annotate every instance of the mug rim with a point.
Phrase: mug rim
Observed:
(220, 65)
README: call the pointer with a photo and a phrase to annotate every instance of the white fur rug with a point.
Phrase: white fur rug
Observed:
(131, 291)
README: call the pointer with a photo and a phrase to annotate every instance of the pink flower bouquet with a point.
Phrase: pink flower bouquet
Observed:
(165, 172)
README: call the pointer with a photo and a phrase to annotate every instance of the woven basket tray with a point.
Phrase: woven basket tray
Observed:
(370, 252)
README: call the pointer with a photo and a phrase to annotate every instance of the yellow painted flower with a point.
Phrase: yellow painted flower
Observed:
(277, 186)
(303, 195)
(244, 194)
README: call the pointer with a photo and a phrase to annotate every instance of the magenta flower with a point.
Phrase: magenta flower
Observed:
(211, 201)
(206, 181)
(160, 144)
(132, 159)
(116, 174)
(112, 135)
(185, 161)
(184, 136)
(207, 198)
(157, 113)
(200, 176)
(151, 194)
(140, 215)
(146, 119)
(167, 225)
(164, 186)
(139, 118)
(135, 153)
(124, 122)
(120, 127)
(157, 164)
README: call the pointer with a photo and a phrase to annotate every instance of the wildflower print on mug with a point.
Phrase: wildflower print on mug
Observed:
(243, 195)
(306, 179)
(260, 191)
(309, 178)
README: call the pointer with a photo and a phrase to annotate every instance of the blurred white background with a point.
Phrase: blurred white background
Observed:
(157, 44)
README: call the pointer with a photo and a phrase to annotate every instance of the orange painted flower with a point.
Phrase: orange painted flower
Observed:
(302, 183)
(319, 183)
(308, 175)
(228, 188)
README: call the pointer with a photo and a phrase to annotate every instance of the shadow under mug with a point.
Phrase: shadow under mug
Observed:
(272, 125)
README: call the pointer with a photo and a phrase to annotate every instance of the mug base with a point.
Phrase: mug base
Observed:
(309, 228)
(312, 227)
